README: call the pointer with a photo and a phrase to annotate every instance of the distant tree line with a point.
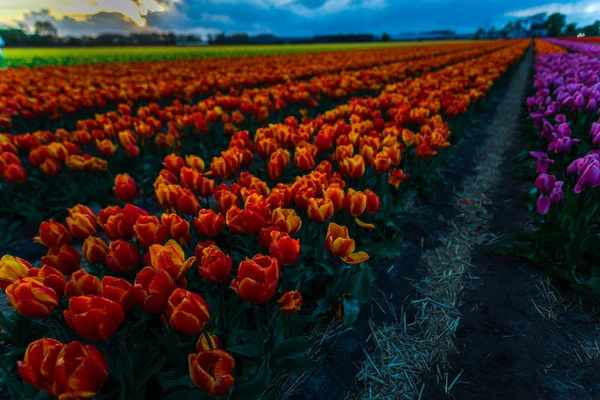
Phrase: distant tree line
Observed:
(539, 25)
(46, 34)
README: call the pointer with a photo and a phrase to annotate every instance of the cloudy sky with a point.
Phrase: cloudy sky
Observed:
(283, 17)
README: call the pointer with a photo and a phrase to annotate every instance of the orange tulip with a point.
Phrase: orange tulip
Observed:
(152, 289)
(94, 317)
(81, 209)
(79, 372)
(424, 151)
(339, 243)
(336, 195)
(38, 365)
(58, 151)
(187, 312)
(122, 256)
(119, 226)
(353, 167)
(119, 290)
(206, 341)
(290, 302)
(355, 202)
(81, 283)
(303, 195)
(225, 198)
(50, 167)
(304, 159)
(382, 163)
(211, 371)
(125, 188)
(106, 147)
(275, 170)
(214, 266)
(177, 227)
(209, 223)
(81, 225)
(187, 202)
(149, 230)
(244, 221)
(50, 277)
(14, 173)
(95, 250)
(320, 210)
(173, 163)
(396, 177)
(31, 298)
(65, 259)
(170, 258)
(53, 234)
(195, 162)
(286, 220)
(282, 247)
(257, 279)
(12, 269)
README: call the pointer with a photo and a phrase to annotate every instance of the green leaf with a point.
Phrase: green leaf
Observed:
(360, 284)
(299, 363)
(290, 347)
(187, 394)
(514, 250)
(246, 350)
(168, 385)
(351, 310)
(250, 389)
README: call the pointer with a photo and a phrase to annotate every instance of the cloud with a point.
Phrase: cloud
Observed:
(288, 18)
(223, 19)
(582, 7)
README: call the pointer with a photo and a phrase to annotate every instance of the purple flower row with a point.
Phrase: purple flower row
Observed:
(568, 95)
(579, 47)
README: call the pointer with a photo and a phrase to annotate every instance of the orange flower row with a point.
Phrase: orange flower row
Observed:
(63, 90)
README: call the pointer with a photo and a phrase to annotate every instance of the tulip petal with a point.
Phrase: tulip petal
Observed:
(364, 224)
(356, 258)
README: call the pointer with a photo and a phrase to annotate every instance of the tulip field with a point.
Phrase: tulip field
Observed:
(188, 221)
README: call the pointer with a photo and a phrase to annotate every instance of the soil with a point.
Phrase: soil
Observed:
(508, 350)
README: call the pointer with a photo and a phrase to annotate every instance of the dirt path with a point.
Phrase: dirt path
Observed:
(518, 336)
(414, 361)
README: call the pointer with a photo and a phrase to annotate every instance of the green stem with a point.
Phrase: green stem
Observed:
(223, 306)
(5, 323)
(259, 326)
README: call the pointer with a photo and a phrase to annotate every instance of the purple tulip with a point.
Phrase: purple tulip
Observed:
(595, 130)
(556, 195)
(564, 130)
(543, 162)
(592, 105)
(545, 183)
(543, 205)
(579, 100)
(562, 145)
(589, 178)
(560, 118)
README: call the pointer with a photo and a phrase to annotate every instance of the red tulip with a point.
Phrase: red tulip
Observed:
(152, 289)
(257, 279)
(211, 371)
(94, 317)
(187, 312)
(122, 256)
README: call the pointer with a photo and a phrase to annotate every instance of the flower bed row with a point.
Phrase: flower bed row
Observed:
(120, 141)
(58, 91)
(124, 295)
(566, 137)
